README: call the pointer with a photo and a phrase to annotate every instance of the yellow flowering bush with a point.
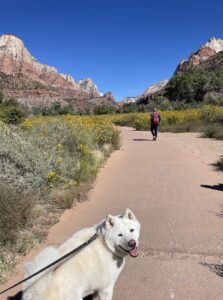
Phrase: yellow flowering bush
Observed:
(53, 158)
(52, 176)
(141, 121)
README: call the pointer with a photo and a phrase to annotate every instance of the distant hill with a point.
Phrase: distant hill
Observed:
(36, 84)
(197, 82)
(148, 93)
(197, 79)
(198, 58)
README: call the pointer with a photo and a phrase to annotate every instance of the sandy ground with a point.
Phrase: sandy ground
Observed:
(207, 150)
(177, 195)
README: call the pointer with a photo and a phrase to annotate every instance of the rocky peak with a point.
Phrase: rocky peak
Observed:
(12, 44)
(128, 100)
(156, 87)
(215, 44)
(151, 90)
(197, 58)
(15, 58)
(88, 85)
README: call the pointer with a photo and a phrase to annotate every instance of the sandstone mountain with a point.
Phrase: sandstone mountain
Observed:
(198, 78)
(89, 86)
(205, 52)
(156, 87)
(148, 93)
(34, 83)
(213, 63)
(127, 100)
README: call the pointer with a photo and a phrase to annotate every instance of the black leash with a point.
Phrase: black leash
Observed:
(55, 262)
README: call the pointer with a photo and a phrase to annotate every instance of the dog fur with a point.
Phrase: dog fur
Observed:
(94, 269)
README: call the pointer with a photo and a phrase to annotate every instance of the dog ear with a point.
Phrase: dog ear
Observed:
(129, 215)
(110, 221)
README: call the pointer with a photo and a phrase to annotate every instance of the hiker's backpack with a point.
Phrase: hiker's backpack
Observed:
(156, 118)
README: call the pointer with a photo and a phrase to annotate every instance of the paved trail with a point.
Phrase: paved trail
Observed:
(182, 238)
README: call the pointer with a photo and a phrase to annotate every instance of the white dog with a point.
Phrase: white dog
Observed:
(94, 269)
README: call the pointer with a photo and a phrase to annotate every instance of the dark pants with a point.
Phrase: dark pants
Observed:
(154, 129)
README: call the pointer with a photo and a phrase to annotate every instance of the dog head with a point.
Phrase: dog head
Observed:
(122, 234)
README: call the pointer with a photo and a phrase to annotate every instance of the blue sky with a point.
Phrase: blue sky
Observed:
(123, 45)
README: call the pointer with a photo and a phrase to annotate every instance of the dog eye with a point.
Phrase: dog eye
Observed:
(131, 230)
(120, 234)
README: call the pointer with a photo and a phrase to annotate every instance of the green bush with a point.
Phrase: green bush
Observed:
(193, 84)
(52, 154)
(188, 126)
(129, 107)
(142, 123)
(213, 131)
(212, 114)
(11, 112)
(104, 109)
(125, 120)
(57, 109)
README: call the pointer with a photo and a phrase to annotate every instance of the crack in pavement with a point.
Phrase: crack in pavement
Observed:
(179, 254)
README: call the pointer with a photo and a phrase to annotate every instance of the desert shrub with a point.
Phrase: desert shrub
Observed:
(213, 131)
(104, 109)
(53, 152)
(66, 147)
(57, 109)
(60, 142)
(212, 114)
(124, 119)
(16, 213)
(165, 106)
(11, 112)
(66, 198)
(107, 133)
(129, 107)
(54, 157)
(219, 164)
(142, 122)
(22, 162)
(188, 126)
(63, 198)
(177, 121)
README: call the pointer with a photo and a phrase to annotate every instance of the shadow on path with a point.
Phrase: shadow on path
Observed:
(218, 187)
(215, 268)
(142, 140)
(220, 215)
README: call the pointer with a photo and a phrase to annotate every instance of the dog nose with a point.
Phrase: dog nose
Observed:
(132, 243)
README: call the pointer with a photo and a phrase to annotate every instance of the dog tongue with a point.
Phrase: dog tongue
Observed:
(134, 252)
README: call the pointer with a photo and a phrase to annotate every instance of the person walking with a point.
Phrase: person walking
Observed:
(155, 120)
